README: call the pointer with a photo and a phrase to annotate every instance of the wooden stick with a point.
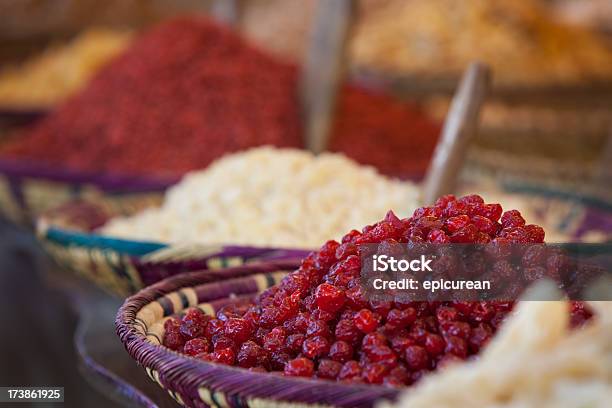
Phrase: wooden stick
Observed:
(459, 127)
(228, 11)
(324, 69)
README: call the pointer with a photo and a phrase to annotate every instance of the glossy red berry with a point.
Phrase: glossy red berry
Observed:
(174, 340)
(251, 354)
(238, 329)
(457, 346)
(197, 346)
(512, 218)
(416, 357)
(454, 224)
(434, 344)
(314, 347)
(365, 321)
(224, 356)
(374, 373)
(328, 369)
(341, 351)
(194, 323)
(400, 318)
(350, 370)
(329, 298)
(299, 367)
(294, 342)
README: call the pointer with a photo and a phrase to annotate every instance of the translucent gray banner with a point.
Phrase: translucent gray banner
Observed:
(477, 272)
(31, 394)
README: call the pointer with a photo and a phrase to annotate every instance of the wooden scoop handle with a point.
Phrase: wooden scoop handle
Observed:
(324, 69)
(459, 127)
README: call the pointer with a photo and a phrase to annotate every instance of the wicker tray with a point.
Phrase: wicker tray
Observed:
(125, 266)
(195, 383)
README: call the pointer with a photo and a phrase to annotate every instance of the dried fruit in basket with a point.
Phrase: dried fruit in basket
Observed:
(277, 193)
(519, 39)
(47, 79)
(189, 91)
(184, 93)
(347, 337)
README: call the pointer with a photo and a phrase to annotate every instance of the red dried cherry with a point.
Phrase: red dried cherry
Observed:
(299, 367)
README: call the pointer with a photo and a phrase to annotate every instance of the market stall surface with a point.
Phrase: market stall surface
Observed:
(43, 309)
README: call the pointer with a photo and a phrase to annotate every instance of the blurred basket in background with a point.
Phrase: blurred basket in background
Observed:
(124, 266)
(28, 189)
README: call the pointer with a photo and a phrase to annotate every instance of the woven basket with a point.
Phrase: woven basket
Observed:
(125, 266)
(27, 189)
(195, 383)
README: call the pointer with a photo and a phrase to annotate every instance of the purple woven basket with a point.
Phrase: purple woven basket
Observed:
(29, 189)
(124, 266)
(195, 383)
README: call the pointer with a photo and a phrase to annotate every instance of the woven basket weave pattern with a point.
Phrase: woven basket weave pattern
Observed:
(195, 383)
(125, 266)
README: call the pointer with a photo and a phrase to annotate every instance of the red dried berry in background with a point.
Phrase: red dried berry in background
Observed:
(275, 340)
(512, 218)
(196, 346)
(294, 342)
(373, 129)
(174, 340)
(314, 347)
(214, 327)
(341, 351)
(299, 367)
(374, 373)
(251, 355)
(194, 323)
(351, 371)
(224, 356)
(416, 357)
(328, 369)
(238, 329)
(365, 321)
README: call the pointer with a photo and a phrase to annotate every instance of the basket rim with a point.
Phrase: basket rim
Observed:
(136, 248)
(105, 181)
(48, 229)
(156, 357)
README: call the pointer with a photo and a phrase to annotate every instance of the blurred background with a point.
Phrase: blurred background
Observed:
(545, 135)
(551, 61)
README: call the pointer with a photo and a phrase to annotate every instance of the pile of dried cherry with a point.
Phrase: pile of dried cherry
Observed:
(189, 91)
(318, 323)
